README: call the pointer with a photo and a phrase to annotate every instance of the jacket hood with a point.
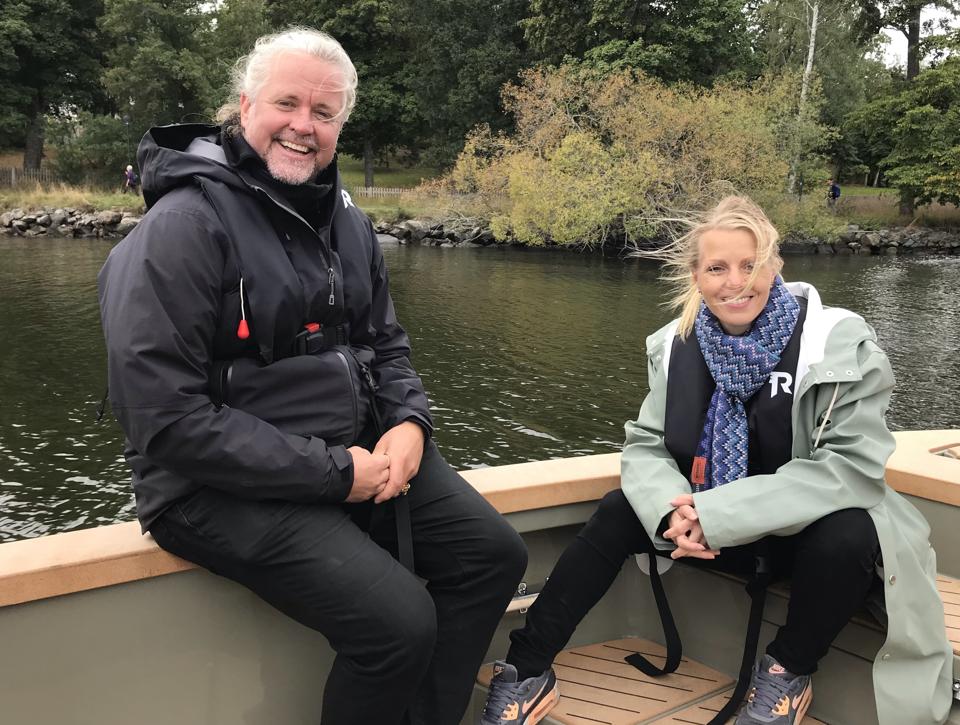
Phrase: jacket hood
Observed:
(166, 163)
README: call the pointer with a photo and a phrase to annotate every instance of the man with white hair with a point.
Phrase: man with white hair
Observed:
(277, 432)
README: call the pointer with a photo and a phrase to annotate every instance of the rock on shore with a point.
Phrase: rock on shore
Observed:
(66, 223)
(469, 232)
(855, 240)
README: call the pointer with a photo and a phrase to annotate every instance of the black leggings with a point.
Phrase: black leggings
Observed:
(830, 565)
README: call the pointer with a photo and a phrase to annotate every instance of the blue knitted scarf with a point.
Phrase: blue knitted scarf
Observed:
(739, 364)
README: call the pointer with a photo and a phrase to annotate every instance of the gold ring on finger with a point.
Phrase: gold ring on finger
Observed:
(405, 489)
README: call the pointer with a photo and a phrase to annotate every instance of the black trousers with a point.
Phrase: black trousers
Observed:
(406, 652)
(830, 565)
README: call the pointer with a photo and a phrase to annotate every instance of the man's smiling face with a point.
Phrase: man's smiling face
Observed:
(295, 119)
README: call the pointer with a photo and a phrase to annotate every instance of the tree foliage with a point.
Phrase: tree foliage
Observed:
(674, 40)
(595, 154)
(158, 69)
(916, 134)
(431, 70)
(91, 149)
(460, 54)
(49, 65)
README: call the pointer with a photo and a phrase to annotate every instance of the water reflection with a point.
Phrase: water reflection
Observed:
(525, 354)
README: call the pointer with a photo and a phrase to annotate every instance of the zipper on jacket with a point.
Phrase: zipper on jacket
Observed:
(294, 214)
(373, 388)
(326, 252)
(353, 396)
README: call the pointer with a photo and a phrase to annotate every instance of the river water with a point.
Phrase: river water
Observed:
(526, 355)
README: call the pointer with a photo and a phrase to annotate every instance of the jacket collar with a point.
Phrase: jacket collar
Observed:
(816, 364)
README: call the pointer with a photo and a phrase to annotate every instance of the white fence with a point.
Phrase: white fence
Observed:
(13, 176)
(379, 192)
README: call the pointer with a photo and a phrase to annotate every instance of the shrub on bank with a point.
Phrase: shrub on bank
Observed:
(595, 156)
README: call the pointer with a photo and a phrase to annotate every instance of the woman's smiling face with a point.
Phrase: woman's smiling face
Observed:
(724, 265)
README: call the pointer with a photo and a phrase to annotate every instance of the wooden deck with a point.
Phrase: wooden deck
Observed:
(702, 712)
(950, 594)
(598, 688)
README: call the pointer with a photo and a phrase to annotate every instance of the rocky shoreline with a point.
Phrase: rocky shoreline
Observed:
(66, 223)
(472, 233)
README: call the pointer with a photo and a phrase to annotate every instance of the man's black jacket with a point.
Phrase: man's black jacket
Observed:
(199, 405)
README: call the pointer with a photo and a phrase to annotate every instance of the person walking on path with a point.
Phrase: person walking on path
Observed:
(833, 194)
(131, 182)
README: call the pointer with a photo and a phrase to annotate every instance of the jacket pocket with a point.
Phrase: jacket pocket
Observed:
(311, 395)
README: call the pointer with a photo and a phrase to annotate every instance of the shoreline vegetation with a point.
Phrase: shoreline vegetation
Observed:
(607, 159)
(423, 207)
(456, 222)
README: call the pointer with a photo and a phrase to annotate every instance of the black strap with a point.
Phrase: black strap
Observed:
(401, 504)
(103, 405)
(670, 634)
(401, 508)
(757, 589)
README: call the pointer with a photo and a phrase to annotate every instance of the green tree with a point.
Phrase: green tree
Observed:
(826, 46)
(560, 29)
(49, 65)
(903, 16)
(919, 127)
(238, 24)
(159, 69)
(456, 77)
(842, 59)
(687, 40)
(91, 149)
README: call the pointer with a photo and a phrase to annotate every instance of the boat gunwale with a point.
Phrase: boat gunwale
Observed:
(75, 561)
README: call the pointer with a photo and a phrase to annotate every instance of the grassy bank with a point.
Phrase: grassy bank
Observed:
(867, 207)
(392, 208)
(396, 176)
(87, 198)
(67, 196)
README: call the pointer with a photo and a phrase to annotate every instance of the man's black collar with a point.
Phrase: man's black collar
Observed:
(309, 199)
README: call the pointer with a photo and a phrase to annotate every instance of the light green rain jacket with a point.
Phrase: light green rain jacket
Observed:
(840, 449)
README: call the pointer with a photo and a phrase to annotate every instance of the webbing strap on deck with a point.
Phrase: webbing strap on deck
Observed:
(670, 634)
(756, 588)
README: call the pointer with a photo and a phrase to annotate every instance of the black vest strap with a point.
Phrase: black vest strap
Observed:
(670, 634)
(401, 504)
(757, 589)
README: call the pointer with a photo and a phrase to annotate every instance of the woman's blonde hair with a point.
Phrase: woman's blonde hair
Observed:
(682, 255)
(251, 71)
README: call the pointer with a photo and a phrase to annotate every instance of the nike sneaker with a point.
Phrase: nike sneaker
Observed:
(518, 703)
(776, 697)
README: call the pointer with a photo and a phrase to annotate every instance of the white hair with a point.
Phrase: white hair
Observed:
(252, 70)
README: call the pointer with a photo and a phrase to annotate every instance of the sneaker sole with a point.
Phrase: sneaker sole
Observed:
(543, 707)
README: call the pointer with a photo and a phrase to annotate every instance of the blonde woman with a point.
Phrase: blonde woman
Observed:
(764, 421)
